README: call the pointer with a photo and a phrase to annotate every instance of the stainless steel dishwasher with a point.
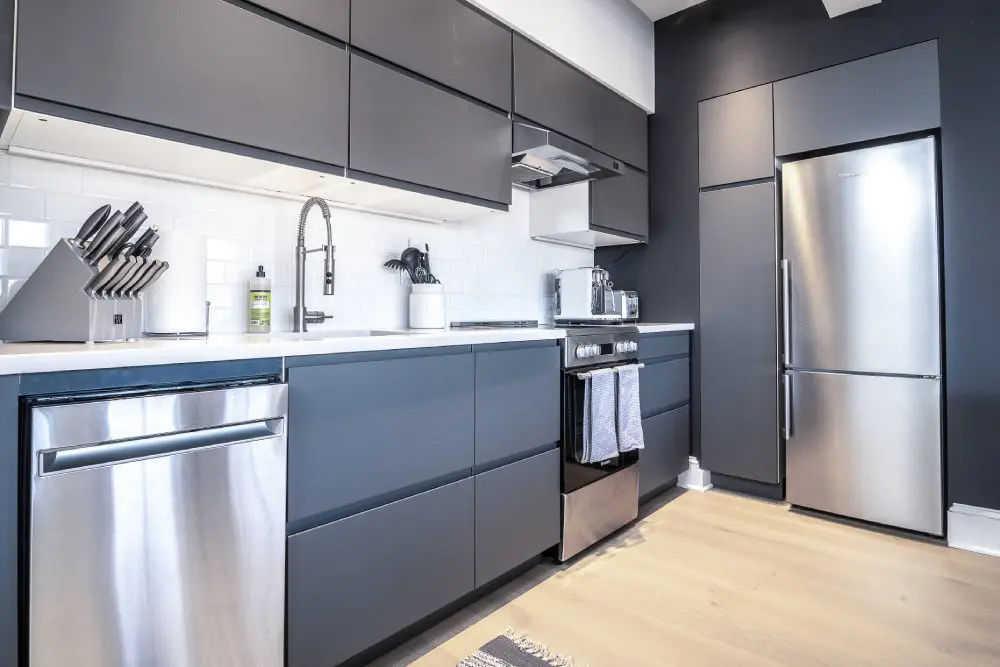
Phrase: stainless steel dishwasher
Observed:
(157, 529)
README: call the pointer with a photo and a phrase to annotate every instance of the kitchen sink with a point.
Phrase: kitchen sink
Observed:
(336, 333)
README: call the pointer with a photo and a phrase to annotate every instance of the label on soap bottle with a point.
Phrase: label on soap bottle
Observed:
(260, 308)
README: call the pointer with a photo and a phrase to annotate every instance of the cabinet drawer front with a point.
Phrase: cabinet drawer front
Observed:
(736, 137)
(663, 385)
(517, 401)
(332, 17)
(165, 64)
(407, 130)
(517, 514)
(445, 40)
(357, 581)
(881, 96)
(668, 447)
(670, 345)
(360, 430)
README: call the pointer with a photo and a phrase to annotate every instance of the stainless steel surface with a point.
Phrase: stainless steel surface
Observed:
(146, 268)
(122, 277)
(300, 314)
(786, 304)
(597, 510)
(584, 347)
(496, 324)
(868, 447)
(587, 374)
(164, 561)
(544, 159)
(786, 390)
(150, 279)
(105, 276)
(861, 234)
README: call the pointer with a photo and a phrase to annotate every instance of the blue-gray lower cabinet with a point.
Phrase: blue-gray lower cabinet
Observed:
(663, 385)
(362, 429)
(517, 400)
(654, 346)
(357, 581)
(517, 514)
(668, 445)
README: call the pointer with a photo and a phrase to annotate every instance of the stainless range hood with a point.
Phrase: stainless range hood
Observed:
(544, 159)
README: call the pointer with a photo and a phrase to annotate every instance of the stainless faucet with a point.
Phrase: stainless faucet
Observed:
(301, 315)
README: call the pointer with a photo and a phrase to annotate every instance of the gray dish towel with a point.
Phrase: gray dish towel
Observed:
(629, 411)
(600, 440)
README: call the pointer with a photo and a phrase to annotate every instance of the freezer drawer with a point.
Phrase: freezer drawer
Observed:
(861, 266)
(867, 447)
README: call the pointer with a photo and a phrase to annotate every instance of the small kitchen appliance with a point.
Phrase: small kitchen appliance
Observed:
(585, 296)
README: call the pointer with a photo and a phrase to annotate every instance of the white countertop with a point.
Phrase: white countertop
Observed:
(17, 358)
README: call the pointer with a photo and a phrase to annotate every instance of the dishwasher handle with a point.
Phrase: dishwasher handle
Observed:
(125, 451)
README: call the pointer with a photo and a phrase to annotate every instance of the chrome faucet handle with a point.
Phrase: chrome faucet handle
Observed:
(316, 317)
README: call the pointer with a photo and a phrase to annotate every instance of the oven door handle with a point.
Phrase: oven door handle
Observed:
(586, 374)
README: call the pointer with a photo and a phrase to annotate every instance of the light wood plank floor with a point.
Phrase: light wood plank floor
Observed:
(722, 580)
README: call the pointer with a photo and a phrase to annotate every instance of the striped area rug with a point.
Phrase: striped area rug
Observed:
(512, 649)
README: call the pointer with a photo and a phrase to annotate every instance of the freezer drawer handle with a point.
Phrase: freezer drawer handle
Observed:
(123, 451)
(788, 406)
(786, 307)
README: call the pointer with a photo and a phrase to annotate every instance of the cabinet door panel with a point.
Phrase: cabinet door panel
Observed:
(622, 203)
(668, 446)
(444, 40)
(517, 401)
(517, 514)
(881, 96)
(357, 581)
(652, 346)
(664, 384)
(164, 63)
(360, 430)
(332, 17)
(407, 130)
(736, 137)
(739, 333)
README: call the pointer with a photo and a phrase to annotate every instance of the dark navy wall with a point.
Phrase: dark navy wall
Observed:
(723, 46)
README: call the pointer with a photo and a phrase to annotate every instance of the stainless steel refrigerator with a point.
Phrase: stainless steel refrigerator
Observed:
(862, 329)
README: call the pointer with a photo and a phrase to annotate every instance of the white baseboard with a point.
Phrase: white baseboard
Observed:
(694, 478)
(974, 529)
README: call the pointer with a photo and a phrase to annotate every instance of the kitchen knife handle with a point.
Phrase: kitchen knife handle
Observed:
(788, 407)
(786, 312)
(104, 247)
(92, 224)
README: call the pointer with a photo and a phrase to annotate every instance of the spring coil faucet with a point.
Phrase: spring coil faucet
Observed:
(301, 315)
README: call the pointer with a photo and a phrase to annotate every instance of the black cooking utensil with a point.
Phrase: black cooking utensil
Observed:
(396, 265)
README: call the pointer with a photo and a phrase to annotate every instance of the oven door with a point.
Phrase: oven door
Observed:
(577, 475)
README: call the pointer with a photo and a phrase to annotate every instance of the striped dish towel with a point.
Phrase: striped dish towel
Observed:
(600, 441)
(629, 410)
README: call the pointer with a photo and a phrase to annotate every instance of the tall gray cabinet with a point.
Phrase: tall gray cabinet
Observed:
(739, 280)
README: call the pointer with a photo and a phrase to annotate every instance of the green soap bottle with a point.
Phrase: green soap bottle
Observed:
(260, 303)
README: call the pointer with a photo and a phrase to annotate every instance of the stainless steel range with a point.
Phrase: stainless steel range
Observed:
(597, 499)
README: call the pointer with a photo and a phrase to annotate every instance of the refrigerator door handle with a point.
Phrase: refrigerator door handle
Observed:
(786, 316)
(788, 405)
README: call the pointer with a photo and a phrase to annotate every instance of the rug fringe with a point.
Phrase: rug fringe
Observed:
(540, 651)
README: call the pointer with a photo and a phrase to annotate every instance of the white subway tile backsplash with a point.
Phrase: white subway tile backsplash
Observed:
(489, 266)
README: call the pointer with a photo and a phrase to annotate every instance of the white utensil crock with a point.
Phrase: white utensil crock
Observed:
(427, 307)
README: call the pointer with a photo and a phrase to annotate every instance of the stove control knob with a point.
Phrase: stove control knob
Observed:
(633, 346)
(581, 351)
(620, 347)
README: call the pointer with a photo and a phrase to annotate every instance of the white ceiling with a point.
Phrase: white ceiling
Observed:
(657, 9)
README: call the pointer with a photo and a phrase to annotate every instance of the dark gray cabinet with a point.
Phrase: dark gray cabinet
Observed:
(409, 131)
(517, 514)
(739, 336)
(881, 96)
(562, 98)
(332, 17)
(517, 400)
(360, 430)
(664, 384)
(205, 67)
(736, 137)
(621, 203)
(444, 40)
(667, 438)
(357, 581)
(9, 529)
(655, 346)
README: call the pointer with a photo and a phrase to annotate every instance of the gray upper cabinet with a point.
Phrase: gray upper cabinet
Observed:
(517, 401)
(736, 137)
(739, 333)
(444, 40)
(621, 204)
(881, 96)
(332, 17)
(357, 581)
(409, 131)
(360, 430)
(559, 97)
(164, 63)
